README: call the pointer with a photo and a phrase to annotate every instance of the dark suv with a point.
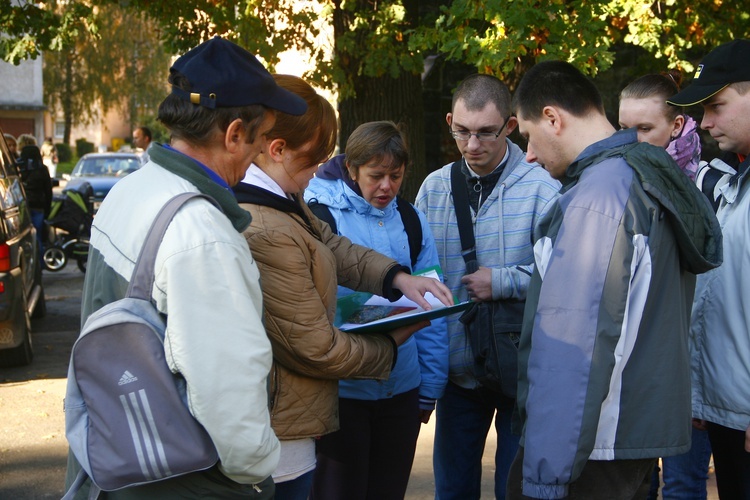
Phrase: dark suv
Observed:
(21, 293)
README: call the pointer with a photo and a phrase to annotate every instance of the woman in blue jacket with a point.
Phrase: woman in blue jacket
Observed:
(372, 454)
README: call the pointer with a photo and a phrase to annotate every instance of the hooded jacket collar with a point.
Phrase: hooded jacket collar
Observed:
(335, 169)
(187, 168)
(692, 218)
(254, 195)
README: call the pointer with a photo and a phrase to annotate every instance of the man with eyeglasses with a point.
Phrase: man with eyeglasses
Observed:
(507, 195)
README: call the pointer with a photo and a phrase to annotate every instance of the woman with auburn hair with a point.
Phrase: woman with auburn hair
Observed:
(301, 262)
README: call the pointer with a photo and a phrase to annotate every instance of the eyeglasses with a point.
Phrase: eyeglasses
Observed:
(464, 135)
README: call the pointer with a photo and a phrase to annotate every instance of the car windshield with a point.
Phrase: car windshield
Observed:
(106, 166)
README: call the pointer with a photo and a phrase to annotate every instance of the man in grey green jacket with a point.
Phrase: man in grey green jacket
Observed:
(604, 384)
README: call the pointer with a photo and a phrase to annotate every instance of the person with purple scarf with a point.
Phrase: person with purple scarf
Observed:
(643, 105)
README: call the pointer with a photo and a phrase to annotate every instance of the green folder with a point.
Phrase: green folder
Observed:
(362, 312)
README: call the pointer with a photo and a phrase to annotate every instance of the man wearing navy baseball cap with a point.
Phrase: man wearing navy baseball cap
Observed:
(720, 323)
(206, 283)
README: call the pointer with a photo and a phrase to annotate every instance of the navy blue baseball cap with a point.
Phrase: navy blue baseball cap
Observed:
(726, 64)
(224, 75)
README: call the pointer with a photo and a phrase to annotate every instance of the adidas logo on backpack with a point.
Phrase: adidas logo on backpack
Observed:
(127, 378)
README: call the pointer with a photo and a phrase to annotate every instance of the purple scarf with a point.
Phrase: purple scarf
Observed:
(686, 149)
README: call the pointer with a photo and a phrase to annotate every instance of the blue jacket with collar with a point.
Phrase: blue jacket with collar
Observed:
(423, 359)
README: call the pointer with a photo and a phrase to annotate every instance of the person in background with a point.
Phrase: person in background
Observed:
(49, 156)
(301, 261)
(12, 146)
(719, 340)
(207, 285)
(507, 196)
(371, 455)
(141, 141)
(36, 184)
(643, 106)
(604, 384)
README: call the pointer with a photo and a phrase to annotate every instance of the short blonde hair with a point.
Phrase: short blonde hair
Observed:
(26, 140)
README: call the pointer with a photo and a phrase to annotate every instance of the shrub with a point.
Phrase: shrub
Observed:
(64, 153)
(83, 146)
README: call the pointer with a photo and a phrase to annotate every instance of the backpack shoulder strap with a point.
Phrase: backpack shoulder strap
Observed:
(142, 281)
(463, 217)
(323, 213)
(413, 228)
(409, 217)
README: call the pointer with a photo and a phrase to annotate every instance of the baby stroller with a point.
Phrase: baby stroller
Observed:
(69, 228)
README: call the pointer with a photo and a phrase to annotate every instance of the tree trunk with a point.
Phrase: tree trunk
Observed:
(395, 99)
(383, 97)
(67, 98)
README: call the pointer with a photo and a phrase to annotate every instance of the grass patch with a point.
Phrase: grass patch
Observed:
(66, 167)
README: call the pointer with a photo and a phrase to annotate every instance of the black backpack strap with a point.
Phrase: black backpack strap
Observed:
(413, 228)
(463, 218)
(409, 217)
(323, 213)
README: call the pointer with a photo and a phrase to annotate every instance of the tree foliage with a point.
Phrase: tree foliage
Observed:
(120, 68)
(389, 37)
(379, 47)
(32, 27)
(506, 37)
(128, 62)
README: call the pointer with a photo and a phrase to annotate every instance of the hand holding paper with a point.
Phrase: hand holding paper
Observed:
(415, 287)
(366, 313)
(401, 335)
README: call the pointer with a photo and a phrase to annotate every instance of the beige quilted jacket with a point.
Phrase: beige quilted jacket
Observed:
(299, 264)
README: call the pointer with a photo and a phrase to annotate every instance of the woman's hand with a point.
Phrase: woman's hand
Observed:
(401, 335)
(414, 288)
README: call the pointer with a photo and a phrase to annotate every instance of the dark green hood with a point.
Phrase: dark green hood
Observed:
(695, 225)
(185, 167)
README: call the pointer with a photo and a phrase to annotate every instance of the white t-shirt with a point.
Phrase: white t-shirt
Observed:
(297, 458)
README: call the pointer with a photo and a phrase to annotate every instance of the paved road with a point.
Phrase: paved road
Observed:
(33, 449)
(32, 435)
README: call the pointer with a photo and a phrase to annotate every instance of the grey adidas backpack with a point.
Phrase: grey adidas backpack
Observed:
(126, 415)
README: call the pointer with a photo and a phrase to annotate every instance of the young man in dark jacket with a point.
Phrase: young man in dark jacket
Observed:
(604, 385)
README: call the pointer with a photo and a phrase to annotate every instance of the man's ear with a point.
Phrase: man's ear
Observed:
(276, 149)
(553, 118)
(511, 125)
(449, 119)
(235, 135)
